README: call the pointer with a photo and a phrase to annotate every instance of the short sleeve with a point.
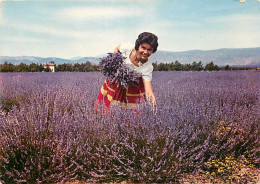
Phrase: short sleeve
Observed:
(147, 72)
(126, 48)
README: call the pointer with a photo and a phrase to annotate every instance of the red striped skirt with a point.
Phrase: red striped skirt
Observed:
(127, 97)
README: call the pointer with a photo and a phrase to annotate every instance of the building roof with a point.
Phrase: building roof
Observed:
(49, 64)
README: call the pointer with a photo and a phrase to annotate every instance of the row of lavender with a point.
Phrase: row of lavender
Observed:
(50, 132)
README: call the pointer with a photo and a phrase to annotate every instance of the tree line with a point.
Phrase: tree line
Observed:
(195, 66)
(36, 67)
(177, 66)
(87, 66)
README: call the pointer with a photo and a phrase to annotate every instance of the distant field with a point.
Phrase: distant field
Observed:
(50, 132)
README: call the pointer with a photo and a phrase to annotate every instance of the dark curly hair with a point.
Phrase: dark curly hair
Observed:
(148, 38)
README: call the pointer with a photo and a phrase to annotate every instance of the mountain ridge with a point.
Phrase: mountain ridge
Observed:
(221, 57)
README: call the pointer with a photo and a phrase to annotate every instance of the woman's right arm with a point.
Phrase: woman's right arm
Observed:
(117, 49)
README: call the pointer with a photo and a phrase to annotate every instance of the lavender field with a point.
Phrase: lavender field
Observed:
(50, 132)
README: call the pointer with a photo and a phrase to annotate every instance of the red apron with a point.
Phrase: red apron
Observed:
(127, 97)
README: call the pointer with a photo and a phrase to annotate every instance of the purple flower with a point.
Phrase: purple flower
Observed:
(114, 69)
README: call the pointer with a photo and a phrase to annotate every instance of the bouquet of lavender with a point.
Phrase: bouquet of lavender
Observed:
(114, 69)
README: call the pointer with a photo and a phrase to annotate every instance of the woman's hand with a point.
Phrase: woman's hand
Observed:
(117, 49)
(149, 93)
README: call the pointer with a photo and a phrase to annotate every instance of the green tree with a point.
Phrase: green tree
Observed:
(197, 66)
(227, 67)
(7, 67)
(211, 66)
(88, 67)
(77, 67)
(41, 68)
(155, 66)
(161, 67)
(69, 67)
(22, 67)
(177, 66)
(187, 67)
(216, 68)
(33, 67)
(61, 67)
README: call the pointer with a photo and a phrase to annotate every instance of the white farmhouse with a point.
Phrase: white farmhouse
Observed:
(50, 65)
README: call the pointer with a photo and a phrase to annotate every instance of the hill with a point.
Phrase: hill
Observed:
(32, 59)
(221, 57)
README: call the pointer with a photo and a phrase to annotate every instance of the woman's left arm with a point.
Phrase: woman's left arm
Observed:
(149, 92)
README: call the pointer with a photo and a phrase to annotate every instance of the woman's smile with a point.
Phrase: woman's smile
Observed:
(144, 51)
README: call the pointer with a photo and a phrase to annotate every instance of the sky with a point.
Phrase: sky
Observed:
(70, 28)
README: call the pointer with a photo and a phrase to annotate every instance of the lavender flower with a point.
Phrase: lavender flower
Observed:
(50, 132)
(114, 69)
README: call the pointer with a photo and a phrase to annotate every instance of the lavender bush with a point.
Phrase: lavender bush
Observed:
(113, 68)
(50, 132)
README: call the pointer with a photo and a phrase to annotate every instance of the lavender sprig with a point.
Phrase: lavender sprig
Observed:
(50, 132)
(125, 76)
(114, 69)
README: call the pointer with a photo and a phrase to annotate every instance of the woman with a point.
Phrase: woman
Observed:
(136, 59)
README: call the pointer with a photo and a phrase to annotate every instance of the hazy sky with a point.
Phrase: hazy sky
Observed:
(68, 29)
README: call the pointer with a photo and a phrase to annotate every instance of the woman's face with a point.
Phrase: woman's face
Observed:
(144, 51)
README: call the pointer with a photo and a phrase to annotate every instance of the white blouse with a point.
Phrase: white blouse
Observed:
(145, 69)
